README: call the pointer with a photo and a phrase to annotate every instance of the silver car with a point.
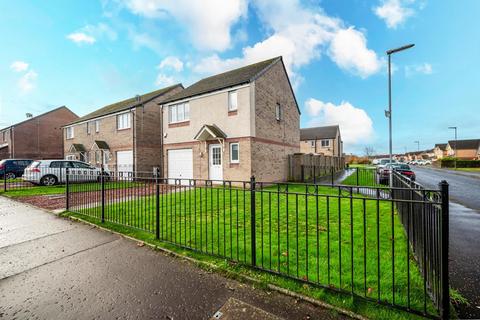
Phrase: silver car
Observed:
(52, 172)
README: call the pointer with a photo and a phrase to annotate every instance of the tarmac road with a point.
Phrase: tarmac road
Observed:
(53, 268)
(464, 232)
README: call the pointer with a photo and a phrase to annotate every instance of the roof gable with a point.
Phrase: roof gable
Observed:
(471, 144)
(316, 133)
(126, 104)
(224, 80)
(39, 116)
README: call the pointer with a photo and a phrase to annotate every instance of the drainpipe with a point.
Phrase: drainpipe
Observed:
(134, 149)
(161, 142)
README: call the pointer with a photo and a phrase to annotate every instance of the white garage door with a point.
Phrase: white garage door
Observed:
(125, 163)
(180, 165)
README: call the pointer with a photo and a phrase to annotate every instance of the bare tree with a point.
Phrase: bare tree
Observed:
(369, 151)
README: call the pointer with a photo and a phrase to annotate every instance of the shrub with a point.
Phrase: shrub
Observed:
(450, 163)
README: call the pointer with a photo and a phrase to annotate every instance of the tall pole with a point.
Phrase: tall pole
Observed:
(390, 117)
(455, 146)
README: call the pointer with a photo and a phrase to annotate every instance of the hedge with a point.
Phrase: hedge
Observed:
(450, 163)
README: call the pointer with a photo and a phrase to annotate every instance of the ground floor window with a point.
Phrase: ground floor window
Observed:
(234, 152)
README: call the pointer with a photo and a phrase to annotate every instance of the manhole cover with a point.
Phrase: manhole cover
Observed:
(235, 309)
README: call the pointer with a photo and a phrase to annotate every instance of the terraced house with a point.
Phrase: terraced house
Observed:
(233, 125)
(123, 136)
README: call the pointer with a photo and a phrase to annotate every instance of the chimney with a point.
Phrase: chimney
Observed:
(28, 115)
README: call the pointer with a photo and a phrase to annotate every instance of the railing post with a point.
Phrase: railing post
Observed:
(302, 173)
(314, 176)
(357, 175)
(445, 307)
(157, 204)
(102, 179)
(252, 220)
(332, 172)
(5, 178)
(67, 189)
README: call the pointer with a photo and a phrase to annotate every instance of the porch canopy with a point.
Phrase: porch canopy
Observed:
(77, 148)
(210, 132)
(100, 145)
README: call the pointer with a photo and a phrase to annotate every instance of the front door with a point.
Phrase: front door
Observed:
(215, 170)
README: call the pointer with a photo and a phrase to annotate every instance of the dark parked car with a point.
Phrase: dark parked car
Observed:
(403, 169)
(12, 168)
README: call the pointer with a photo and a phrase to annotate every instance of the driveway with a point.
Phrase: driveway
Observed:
(53, 268)
(464, 232)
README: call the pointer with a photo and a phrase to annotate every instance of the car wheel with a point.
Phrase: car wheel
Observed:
(10, 176)
(48, 180)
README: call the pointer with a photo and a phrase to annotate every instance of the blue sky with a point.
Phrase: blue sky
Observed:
(87, 54)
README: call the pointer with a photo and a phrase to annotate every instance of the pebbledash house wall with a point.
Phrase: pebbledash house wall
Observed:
(264, 142)
(212, 109)
(274, 140)
(143, 137)
(39, 137)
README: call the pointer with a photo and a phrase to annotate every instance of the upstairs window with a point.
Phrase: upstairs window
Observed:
(312, 143)
(70, 133)
(232, 101)
(325, 143)
(97, 125)
(179, 112)
(123, 121)
(89, 127)
(278, 112)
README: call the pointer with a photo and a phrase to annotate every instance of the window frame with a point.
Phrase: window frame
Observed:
(312, 143)
(124, 124)
(238, 152)
(278, 112)
(89, 127)
(97, 126)
(327, 145)
(173, 112)
(72, 133)
(230, 106)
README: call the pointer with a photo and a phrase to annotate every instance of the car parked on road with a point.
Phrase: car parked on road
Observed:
(12, 168)
(403, 169)
(52, 172)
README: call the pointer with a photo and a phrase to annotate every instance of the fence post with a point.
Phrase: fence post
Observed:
(332, 172)
(445, 308)
(5, 178)
(252, 219)
(314, 176)
(157, 204)
(102, 179)
(357, 176)
(302, 173)
(67, 189)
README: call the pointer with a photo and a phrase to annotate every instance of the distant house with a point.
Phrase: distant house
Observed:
(465, 149)
(233, 125)
(37, 137)
(321, 140)
(124, 136)
(440, 150)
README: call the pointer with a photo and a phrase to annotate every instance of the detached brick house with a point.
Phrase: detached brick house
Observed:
(233, 125)
(440, 150)
(322, 140)
(124, 136)
(466, 149)
(38, 137)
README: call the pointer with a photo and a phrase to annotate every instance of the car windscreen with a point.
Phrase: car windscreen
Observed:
(2, 162)
(34, 164)
(404, 167)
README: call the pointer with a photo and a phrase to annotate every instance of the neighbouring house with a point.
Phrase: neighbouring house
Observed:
(465, 149)
(321, 140)
(124, 136)
(440, 150)
(233, 125)
(38, 137)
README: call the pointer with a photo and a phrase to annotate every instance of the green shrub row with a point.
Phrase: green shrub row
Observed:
(450, 163)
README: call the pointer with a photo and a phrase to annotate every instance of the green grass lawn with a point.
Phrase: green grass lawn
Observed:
(309, 237)
(468, 169)
(365, 177)
(18, 190)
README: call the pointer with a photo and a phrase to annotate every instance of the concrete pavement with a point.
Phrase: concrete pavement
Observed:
(53, 268)
(464, 233)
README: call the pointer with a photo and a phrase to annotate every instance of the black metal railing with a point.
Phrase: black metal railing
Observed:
(387, 245)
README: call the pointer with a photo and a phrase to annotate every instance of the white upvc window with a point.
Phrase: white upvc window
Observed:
(278, 112)
(97, 125)
(89, 127)
(232, 100)
(123, 121)
(234, 152)
(70, 133)
(179, 112)
(312, 143)
(325, 143)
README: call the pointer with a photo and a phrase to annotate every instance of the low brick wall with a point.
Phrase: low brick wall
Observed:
(320, 162)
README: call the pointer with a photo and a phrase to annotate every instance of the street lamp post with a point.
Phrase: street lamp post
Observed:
(388, 113)
(418, 145)
(455, 146)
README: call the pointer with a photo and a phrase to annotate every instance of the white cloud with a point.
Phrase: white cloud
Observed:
(171, 62)
(164, 80)
(394, 12)
(349, 51)
(208, 22)
(300, 35)
(424, 68)
(19, 66)
(28, 81)
(80, 37)
(356, 126)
